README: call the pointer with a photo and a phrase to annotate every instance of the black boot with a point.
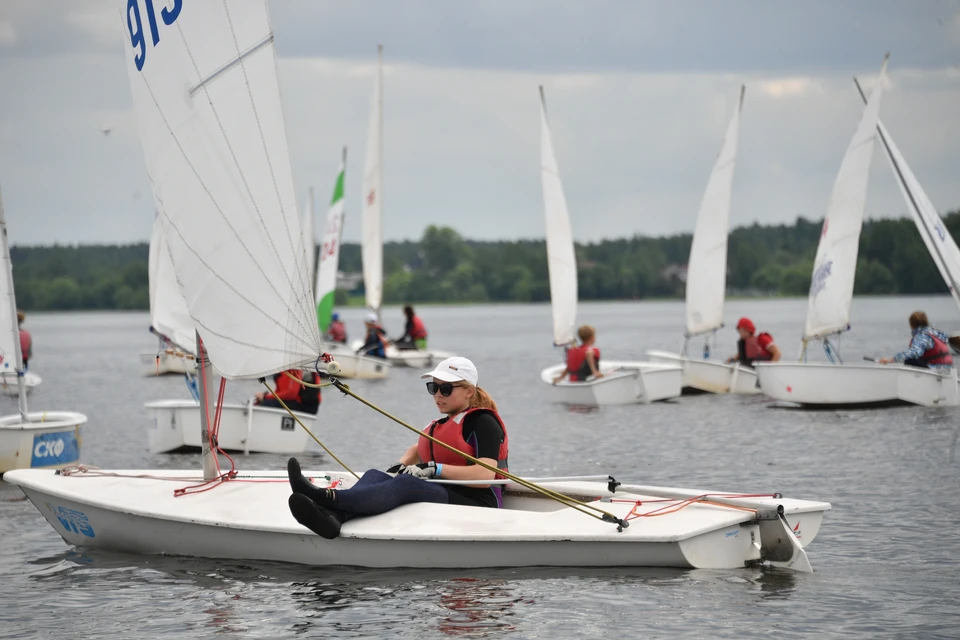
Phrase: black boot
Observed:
(299, 484)
(314, 517)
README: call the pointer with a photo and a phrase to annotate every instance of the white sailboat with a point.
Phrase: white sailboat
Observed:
(372, 243)
(261, 321)
(169, 316)
(28, 440)
(622, 382)
(831, 292)
(175, 424)
(351, 364)
(707, 280)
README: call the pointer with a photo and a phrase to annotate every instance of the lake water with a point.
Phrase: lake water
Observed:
(885, 560)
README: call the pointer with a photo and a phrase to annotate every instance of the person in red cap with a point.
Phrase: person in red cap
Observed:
(754, 348)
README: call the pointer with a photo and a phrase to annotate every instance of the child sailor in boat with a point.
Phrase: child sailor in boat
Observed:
(470, 423)
(337, 331)
(414, 332)
(928, 346)
(754, 348)
(26, 342)
(296, 396)
(375, 341)
(583, 361)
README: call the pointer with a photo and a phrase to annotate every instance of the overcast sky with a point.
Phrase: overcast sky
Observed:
(639, 96)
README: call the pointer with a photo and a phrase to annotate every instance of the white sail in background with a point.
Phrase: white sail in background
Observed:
(11, 360)
(372, 245)
(834, 269)
(207, 99)
(330, 252)
(168, 311)
(707, 270)
(941, 245)
(309, 233)
(561, 258)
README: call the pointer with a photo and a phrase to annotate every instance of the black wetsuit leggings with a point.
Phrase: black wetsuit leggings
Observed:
(378, 492)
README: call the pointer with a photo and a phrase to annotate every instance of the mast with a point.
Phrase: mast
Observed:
(207, 448)
(14, 324)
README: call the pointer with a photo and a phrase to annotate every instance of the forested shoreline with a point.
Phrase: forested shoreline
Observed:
(774, 260)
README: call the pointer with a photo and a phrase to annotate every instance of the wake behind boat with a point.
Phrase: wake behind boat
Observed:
(622, 382)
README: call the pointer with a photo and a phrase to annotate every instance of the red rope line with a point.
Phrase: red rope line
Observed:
(679, 503)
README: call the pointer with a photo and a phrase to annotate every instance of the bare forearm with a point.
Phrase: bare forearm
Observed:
(410, 456)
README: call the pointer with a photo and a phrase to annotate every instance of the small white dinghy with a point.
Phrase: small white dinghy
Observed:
(831, 290)
(244, 428)
(9, 380)
(707, 278)
(169, 316)
(38, 439)
(351, 364)
(248, 519)
(622, 382)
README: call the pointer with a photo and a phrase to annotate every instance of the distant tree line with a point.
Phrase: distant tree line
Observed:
(444, 267)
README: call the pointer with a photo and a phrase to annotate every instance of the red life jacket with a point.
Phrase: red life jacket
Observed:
(753, 352)
(577, 363)
(939, 354)
(419, 331)
(26, 345)
(337, 331)
(450, 431)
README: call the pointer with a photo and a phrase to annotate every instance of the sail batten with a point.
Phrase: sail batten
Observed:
(219, 166)
(707, 268)
(561, 257)
(835, 265)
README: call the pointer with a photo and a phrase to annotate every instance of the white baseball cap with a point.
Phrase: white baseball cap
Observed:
(454, 369)
(371, 318)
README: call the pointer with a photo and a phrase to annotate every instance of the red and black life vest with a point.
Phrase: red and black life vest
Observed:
(337, 331)
(418, 331)
(449, 430)
(938, 354)
(577, 363)
(751, 351)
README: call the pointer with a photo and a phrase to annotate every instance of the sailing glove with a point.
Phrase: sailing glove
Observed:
(397, 468)
(422, 470)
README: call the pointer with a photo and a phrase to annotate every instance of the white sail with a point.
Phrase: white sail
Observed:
(941, 245)
(309, 234)
(168, 311)
(561, 259)
(11, 360)
(205, 91)
(707, 268)
(372, 246)
(330, 252)
(834, 269)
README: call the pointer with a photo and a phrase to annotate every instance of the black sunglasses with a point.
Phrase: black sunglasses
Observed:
(444, 388)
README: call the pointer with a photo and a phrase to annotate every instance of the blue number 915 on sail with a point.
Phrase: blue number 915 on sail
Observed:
(138, 40)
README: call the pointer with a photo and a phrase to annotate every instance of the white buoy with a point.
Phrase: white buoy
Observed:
(333, 368)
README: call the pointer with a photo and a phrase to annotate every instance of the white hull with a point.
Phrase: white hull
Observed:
(414, 358)
(358, 367)
(50, 439)
(176, 426)
(8, 383)
(167, 364)
(838, 385)
(623, 383)
(251, 521)
(710, 375)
